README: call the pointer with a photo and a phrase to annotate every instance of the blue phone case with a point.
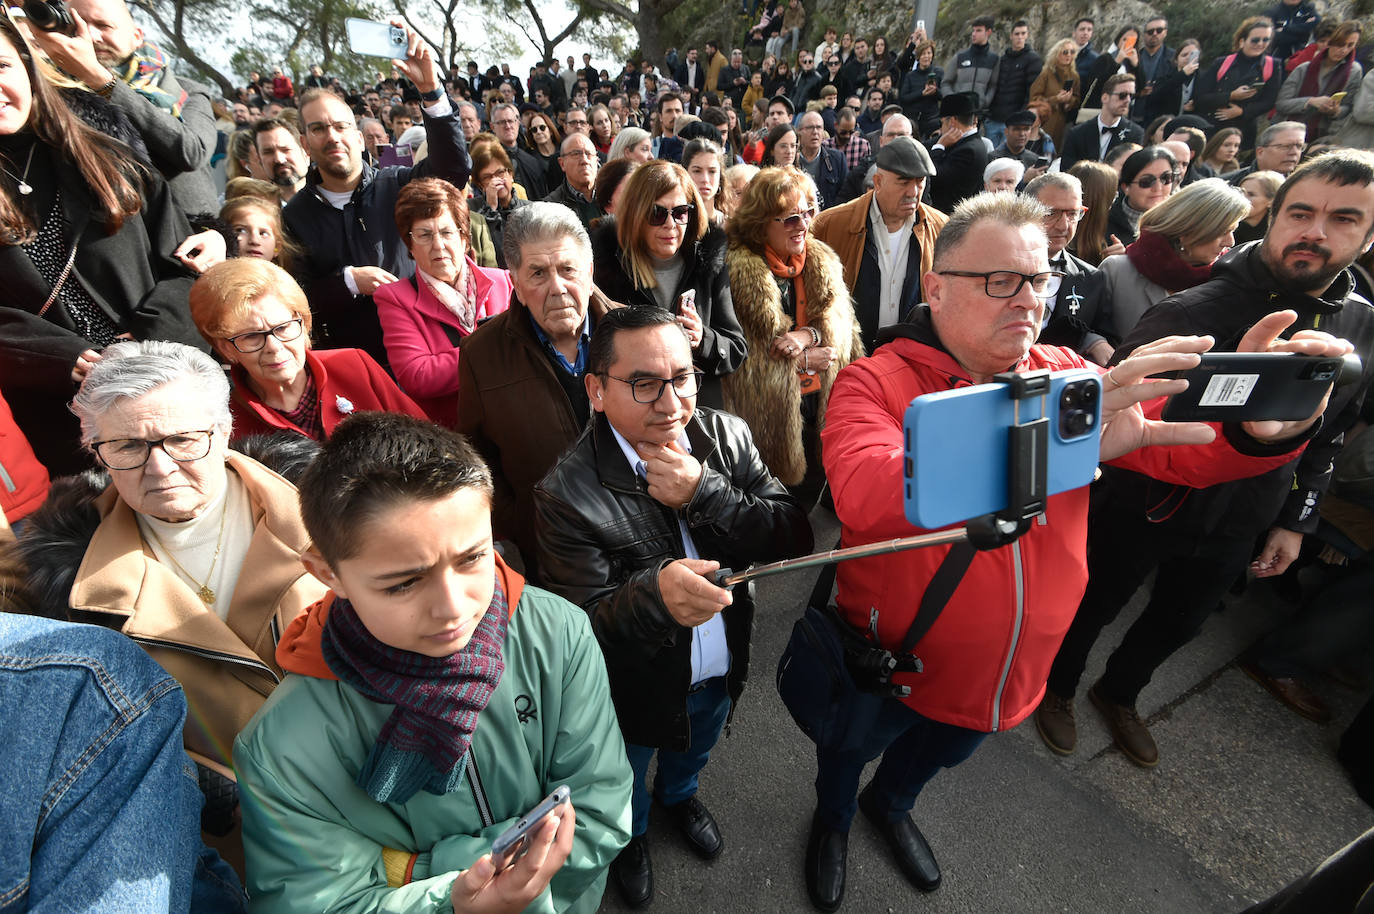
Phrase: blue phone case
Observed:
(958, 442)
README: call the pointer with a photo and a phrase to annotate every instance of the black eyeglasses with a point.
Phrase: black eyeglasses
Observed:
(797, 220)
(1156, 31)
(1006, 283)
(682, 214)
(132, 453)
(648, 390)
(254, 340)
(1123, 95)
(1145, 182)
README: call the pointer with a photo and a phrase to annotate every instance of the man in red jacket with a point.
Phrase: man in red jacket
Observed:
(987, 656)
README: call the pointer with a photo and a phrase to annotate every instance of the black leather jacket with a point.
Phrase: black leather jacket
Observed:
(602, 542)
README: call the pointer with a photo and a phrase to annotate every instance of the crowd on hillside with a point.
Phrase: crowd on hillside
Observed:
(368, 453)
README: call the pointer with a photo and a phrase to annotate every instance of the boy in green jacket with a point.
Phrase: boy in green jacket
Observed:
(434, 699)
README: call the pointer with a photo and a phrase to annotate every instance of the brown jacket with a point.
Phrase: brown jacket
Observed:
(516, 413)
(844, 228)
(226, 668)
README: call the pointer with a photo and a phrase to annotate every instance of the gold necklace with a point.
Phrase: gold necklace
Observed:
(204, 591)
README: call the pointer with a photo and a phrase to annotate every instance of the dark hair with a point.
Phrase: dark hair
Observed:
(601, 349)
(374, 461)
(609, 177)
(1115, 80)
(986, 22)
(1341, 166)
(665, 97)
(1121, 33)
(1135, 163)
(275, 123)
(775, 135)
(1020, 22)
(1083, 19)
(700, 130)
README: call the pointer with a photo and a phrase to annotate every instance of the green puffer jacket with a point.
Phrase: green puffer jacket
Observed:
(315, 840)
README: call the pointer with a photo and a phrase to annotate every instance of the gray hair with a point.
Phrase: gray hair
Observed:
(1057, 179)
(629, 136)
(129, 370)
(541, 222)
(502, 107)
(1200, 212)
(1006, 163)
(1011, 210)
(1273, 130)
(894, 125)
(462, 105)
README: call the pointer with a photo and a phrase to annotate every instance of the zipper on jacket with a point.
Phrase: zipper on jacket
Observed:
(276, 631)
(7, 479)
(210, 655)
(1015, 635)
(479, 793)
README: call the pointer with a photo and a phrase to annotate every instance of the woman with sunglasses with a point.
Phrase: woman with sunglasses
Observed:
(661, 250)
(1238, 88)
(544, 140)
(257, 320)
(1148, 177)
(798, 321)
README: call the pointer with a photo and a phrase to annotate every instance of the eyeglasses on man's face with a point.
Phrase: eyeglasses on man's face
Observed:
(648, 390)
(1007, 283)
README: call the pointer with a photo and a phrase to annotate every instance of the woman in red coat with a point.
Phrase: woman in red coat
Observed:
(256, 317)
(424, 318)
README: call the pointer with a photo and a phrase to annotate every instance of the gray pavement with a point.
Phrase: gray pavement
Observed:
(1247, 796)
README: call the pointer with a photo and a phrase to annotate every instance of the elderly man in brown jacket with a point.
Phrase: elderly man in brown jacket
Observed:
(886, 237)
(521, 396)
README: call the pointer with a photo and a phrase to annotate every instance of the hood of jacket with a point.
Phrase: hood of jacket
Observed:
(299, 650)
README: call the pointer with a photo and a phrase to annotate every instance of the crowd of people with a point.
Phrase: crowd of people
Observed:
(376, 448)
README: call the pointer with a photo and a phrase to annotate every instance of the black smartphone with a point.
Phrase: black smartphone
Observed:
(1042, 161)
(512, 843)
(1255, 386)
(1068, 85)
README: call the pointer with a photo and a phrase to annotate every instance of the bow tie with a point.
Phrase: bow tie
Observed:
(1107, 130)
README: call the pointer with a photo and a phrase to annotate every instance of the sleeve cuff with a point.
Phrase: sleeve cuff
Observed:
(349, 281)
(1244, 444)
(441, 108)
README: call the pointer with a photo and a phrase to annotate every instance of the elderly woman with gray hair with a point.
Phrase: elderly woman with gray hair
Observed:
(189, 548)
(1179, 241)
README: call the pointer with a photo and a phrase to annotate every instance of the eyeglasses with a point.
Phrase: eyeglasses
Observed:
(833, 63)
(797, 220)
(682, 214)
(1006, 283)
(132, 453)
(254, 340)
(1145, 182)
(1286, 147)
(1073, 215)
(1158, 31)
(813, 126)
(572, 123)
(539, 128)
(648, 390)
(424, 238)
(504, 122)
(1123, 95)
(578, 153)
(1258, 40)
(483, 179)
(322, 128)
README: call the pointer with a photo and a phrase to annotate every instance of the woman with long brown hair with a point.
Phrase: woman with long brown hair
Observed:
(1099, 193)
(86, 242)
(1320, 92)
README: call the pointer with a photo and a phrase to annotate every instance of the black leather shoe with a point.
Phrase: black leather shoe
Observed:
(827, 853)
(696, 824)
(914, 856)
(633, 874)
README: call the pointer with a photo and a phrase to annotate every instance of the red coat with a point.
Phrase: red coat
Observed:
(340, 375)
(986, 658)
(420, 352)
(23, 479)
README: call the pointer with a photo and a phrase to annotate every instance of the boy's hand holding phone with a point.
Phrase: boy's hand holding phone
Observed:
(480, 889)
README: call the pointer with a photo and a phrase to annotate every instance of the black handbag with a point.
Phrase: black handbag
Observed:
(834, 680)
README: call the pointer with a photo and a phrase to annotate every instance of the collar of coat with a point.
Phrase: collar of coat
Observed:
(615, 471)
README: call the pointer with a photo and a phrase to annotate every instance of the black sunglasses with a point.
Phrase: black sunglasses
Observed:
(682, 214)
(1145, 182)
(1155, 31)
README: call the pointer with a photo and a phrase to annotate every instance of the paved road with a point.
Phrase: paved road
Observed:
(1247, 796)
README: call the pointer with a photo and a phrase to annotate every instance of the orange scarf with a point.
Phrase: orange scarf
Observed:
(791, 268)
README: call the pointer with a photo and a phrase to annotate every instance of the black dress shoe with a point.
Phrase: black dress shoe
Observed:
(914, 856)
(827, 852)
(633, 874)
(698, 827)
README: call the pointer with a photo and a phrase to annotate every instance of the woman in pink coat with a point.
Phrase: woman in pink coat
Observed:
(425, 317)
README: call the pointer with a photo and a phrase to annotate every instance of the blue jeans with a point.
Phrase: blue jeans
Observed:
(913, 748)
(101, 810)
(707, 710)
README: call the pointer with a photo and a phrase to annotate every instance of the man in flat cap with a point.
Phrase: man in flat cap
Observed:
(886, 237)
(959, 154)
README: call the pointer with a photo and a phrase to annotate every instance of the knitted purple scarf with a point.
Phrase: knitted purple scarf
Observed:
(423, 743)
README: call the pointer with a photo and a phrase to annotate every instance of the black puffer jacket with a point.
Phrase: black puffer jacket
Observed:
(603, 540)
(1240, 292)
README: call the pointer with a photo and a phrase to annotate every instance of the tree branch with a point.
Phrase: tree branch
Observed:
(613, 8)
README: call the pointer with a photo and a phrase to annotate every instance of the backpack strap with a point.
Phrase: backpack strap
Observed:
(1225, 65)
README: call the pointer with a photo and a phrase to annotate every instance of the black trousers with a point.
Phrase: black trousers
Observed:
(1192, 575)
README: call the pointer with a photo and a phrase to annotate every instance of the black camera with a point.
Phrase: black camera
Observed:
(50, 16)
(1077, 409)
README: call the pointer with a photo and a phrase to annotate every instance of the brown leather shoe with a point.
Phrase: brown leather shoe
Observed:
(1055, 724)
(1292, 692)
(1129, 732)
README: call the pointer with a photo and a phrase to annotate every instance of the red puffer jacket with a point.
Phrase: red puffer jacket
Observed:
(987, 656)
(23, 480)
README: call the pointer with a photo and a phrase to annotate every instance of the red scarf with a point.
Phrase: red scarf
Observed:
(791, 268)
(1160, 262)
(1311, 86)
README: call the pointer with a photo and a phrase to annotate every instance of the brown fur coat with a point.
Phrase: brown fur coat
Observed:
(764, 391)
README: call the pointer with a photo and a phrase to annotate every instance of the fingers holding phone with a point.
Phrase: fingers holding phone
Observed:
(495, 885)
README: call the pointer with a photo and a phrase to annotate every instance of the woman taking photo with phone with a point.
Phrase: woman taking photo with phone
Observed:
(661, 250)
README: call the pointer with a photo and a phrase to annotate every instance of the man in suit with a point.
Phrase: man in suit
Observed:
(1156, 63)
(1069, 313)
(691, 77)
(1092, 139)
(959, 154)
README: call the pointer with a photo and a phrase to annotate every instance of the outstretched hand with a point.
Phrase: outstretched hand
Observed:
(1126, 385)
(1264, 337)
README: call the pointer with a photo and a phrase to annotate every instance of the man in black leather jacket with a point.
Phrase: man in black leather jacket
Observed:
(631, 522)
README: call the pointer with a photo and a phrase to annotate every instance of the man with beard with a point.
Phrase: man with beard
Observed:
(344, 217)
(279, 147)
(1201, 540)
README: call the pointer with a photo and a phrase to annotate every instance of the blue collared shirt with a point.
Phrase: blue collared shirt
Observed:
(578, 368)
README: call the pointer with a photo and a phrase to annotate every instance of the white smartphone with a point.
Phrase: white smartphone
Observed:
(920, 25)
(376, 39)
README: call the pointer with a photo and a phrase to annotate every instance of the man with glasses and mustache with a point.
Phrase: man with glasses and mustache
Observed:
(1279, 149)
(1092, 139)
(986, 656)
(1201, 539)
(630, 522)
(344, 217)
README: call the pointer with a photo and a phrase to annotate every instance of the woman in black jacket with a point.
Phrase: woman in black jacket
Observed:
(1118, 60)
(661, 251)
(920, 91)
(1238, 88)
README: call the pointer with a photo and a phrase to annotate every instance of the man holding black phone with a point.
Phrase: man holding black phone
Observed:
(1201, 539)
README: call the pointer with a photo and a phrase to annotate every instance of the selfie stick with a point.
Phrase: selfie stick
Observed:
(1028, 482)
